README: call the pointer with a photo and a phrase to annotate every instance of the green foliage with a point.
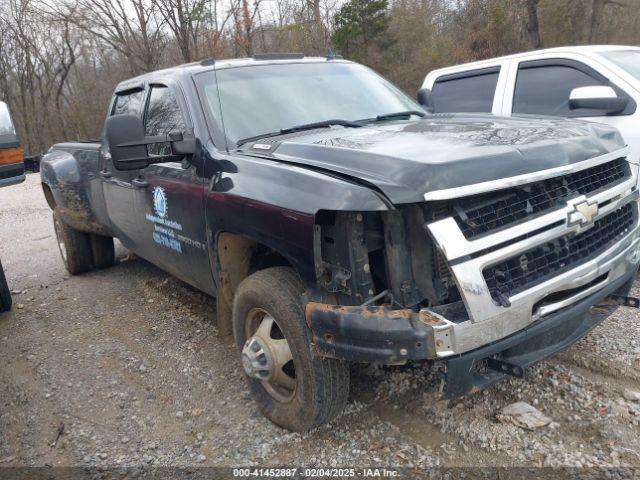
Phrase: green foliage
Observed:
(361, 25)
(200, 12)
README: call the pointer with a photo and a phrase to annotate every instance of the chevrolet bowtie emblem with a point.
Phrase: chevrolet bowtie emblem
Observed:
(584, 213)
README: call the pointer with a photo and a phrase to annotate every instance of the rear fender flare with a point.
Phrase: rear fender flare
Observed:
(65, 188)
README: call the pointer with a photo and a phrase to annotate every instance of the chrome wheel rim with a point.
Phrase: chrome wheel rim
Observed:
(266, 356)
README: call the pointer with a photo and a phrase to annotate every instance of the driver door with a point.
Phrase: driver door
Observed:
(170, 196)
(118, 186)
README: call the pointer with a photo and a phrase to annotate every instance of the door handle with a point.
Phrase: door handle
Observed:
(105, 173)
(139, 183)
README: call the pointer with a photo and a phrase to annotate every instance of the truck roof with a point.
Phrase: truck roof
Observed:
(584, 49)
(189, 69)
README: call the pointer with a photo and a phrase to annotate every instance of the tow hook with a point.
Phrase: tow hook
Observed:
(621, 300)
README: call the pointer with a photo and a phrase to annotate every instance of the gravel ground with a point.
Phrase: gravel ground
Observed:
(129, 362)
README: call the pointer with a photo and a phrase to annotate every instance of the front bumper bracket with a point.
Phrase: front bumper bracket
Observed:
(505, 367)
(621, 300)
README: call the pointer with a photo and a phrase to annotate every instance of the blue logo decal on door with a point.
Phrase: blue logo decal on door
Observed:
(160, 202)
(167, 232)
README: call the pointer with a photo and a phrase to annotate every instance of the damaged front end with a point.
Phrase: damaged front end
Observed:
(489, 282)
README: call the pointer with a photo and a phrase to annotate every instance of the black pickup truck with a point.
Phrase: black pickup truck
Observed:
(11, 172)
(335, 221)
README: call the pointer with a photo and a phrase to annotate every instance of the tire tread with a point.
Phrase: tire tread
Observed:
(329, 377)
(77, 246)
(5, 293)
(102, 251)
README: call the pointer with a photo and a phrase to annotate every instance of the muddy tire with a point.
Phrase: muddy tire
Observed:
(299, 390)
(75, 246)
(5, 293)
(102, 251)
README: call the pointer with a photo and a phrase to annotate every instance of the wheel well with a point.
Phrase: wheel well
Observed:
(237, 257)
(48, 195)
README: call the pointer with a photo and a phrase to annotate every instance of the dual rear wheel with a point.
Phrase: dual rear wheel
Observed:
(82, 251)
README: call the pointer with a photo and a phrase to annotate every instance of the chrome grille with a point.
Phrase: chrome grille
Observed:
(488, 213)
(549, 259)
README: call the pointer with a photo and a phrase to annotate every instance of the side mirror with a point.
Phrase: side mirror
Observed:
(425, 99)
(124, 134)
(597, 97)
(127, 142)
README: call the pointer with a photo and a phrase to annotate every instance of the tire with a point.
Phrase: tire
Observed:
(75, 246)
(320, 386)
(5, 293)
(102, 251)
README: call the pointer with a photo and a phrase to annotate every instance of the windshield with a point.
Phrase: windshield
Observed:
(258, 100)
(628, 60)
(6, 126)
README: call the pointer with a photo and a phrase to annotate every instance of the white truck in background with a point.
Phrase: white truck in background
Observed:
(599, 83)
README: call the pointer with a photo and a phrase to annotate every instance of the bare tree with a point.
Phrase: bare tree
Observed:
(35, 60)
(244, 19)
(138, 37)
(60, 59)
(533, 26)
(597, 11)
(215, 25)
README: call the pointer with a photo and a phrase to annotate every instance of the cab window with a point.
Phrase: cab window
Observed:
(471, 91)
(163, 116)
(545, 89)
(128, 103)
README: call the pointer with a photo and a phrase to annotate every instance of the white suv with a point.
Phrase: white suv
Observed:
(597, 83)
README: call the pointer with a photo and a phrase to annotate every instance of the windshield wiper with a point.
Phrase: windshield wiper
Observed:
(242, 141)
(324, 123)
(407, 113)
(300, 128)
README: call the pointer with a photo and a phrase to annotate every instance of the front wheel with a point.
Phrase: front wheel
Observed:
(293, 387)
(5, 293)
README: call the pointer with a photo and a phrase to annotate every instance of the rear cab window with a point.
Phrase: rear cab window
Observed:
(128, 102)
(469, 91)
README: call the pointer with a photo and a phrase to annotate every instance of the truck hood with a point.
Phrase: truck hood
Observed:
(407, 159)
